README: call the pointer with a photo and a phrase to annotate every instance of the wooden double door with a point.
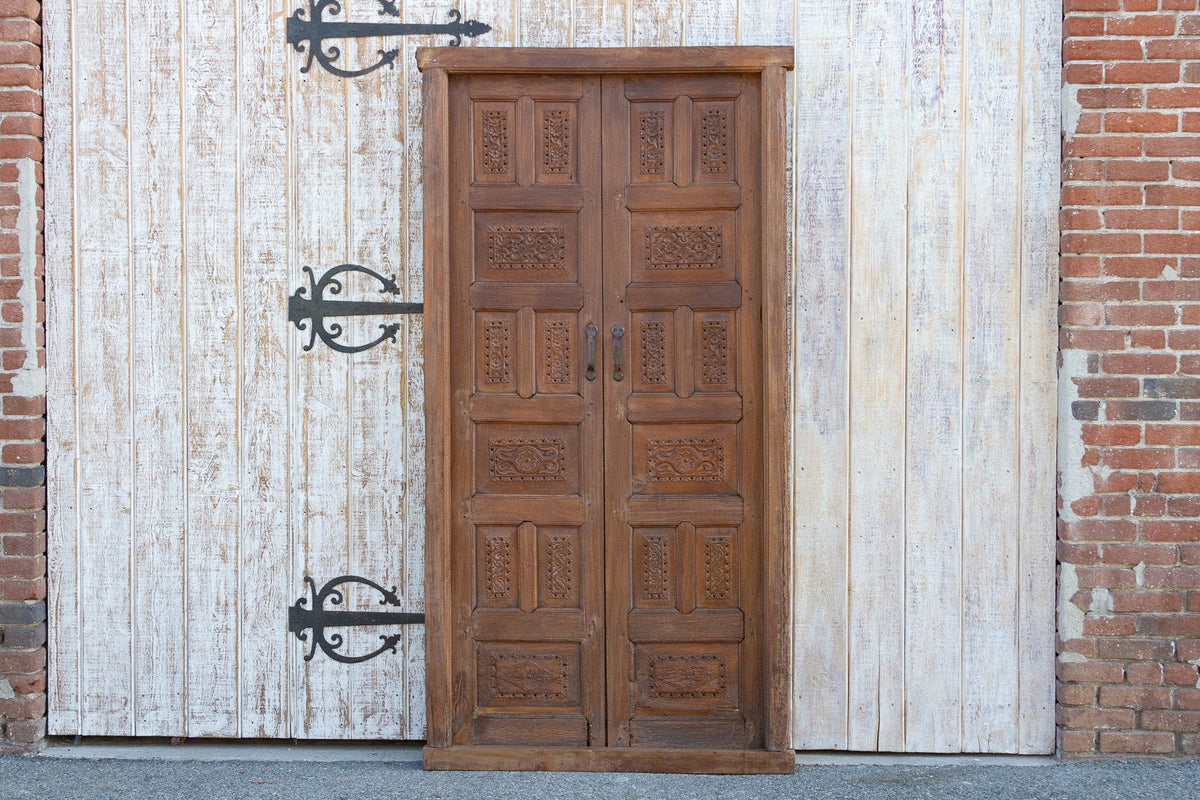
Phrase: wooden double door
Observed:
(605, 482)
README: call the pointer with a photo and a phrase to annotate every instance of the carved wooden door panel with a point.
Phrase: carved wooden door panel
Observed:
(527, 491)
(683, 427)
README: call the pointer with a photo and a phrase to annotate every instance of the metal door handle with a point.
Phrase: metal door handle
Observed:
(590, 330)
(618, 331)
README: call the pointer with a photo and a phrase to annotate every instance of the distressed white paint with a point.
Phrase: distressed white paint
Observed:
(201, 463)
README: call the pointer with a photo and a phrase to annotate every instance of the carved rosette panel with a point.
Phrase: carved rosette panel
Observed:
(527, 247)
(686, 676)
(654, 353)
(541, 677)
(714, 141)
(527, 459)
(652, 141)
(714, 352)
(494, 142)
(685, 459)
(718, 567)
(556, 142)
(558, 352)
(560, 555)
(684, 247)
(497, 346)
(656, 568)
(497, 560)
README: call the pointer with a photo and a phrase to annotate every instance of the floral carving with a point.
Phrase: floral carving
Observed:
(556, 142)
(684, 246)
(529, 677)
(714, 351)
(652, 155)
(685, 459)
(497, 559)
(560, 552)
(655, 568)
(527, 247)
(687, 676)
(527, 459)
(714, 141)
(495, 142)
(496, 346)
(718, 567)
(654, 353)
(558, 352)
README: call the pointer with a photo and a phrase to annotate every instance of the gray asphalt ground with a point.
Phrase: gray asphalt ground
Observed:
(360, 774)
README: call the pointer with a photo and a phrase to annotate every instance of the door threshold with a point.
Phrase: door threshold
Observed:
(609, 759)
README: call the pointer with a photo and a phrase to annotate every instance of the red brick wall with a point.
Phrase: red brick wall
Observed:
(22, 383)
(1129, 453)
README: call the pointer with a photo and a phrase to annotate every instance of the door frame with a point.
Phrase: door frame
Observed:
(437, 64)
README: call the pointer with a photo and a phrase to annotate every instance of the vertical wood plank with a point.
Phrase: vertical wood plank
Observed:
(62, 442)
(655, 23)
(770, 22)
(321, 399)
(1040, 98)
(933, 501)
(157, 341)
(213, 338)
(991, 437)
(501, 15)
(877, 378)
(378, 412)
(266, 279)
(820, 388)
(711, 22)
(544, 23)
(600, 23)
(104, 396)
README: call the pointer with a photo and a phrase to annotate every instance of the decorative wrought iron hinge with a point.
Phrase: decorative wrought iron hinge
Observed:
(310, 30)
(318, 307)
(318, 618)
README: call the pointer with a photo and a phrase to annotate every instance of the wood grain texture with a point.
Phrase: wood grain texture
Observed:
(877, 340)
(64, 624)
(991, 379)
(711, 22)
(820, 396)
(933, 458)
(655, 23)
(600, 23)
(156, 150)
(767, 22)
(1041, 34)
(103, 393)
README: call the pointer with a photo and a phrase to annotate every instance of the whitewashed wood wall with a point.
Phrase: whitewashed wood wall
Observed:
(201, 464)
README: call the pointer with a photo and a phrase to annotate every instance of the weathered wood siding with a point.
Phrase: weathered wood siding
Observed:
(201, 463)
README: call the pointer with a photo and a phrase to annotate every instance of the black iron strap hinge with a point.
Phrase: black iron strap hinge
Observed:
(316, 308)
(309, 30)
(302, 619)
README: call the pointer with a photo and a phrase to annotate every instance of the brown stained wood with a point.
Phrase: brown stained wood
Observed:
(605, 575)
(598, 60)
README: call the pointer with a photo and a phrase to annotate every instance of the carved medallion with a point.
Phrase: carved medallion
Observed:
(683, 247)
(687, 676)
(560, 552)
(497, 559)
(685, 459)
(495, 142)
(556, 142)
(655, 568)
(653, 141)
(527, 247)
(527, 459)
(558, 352)
(497, 342)
(529, 677)
(718, 567)
(654, 353)
(714, 351)
(714, 141)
